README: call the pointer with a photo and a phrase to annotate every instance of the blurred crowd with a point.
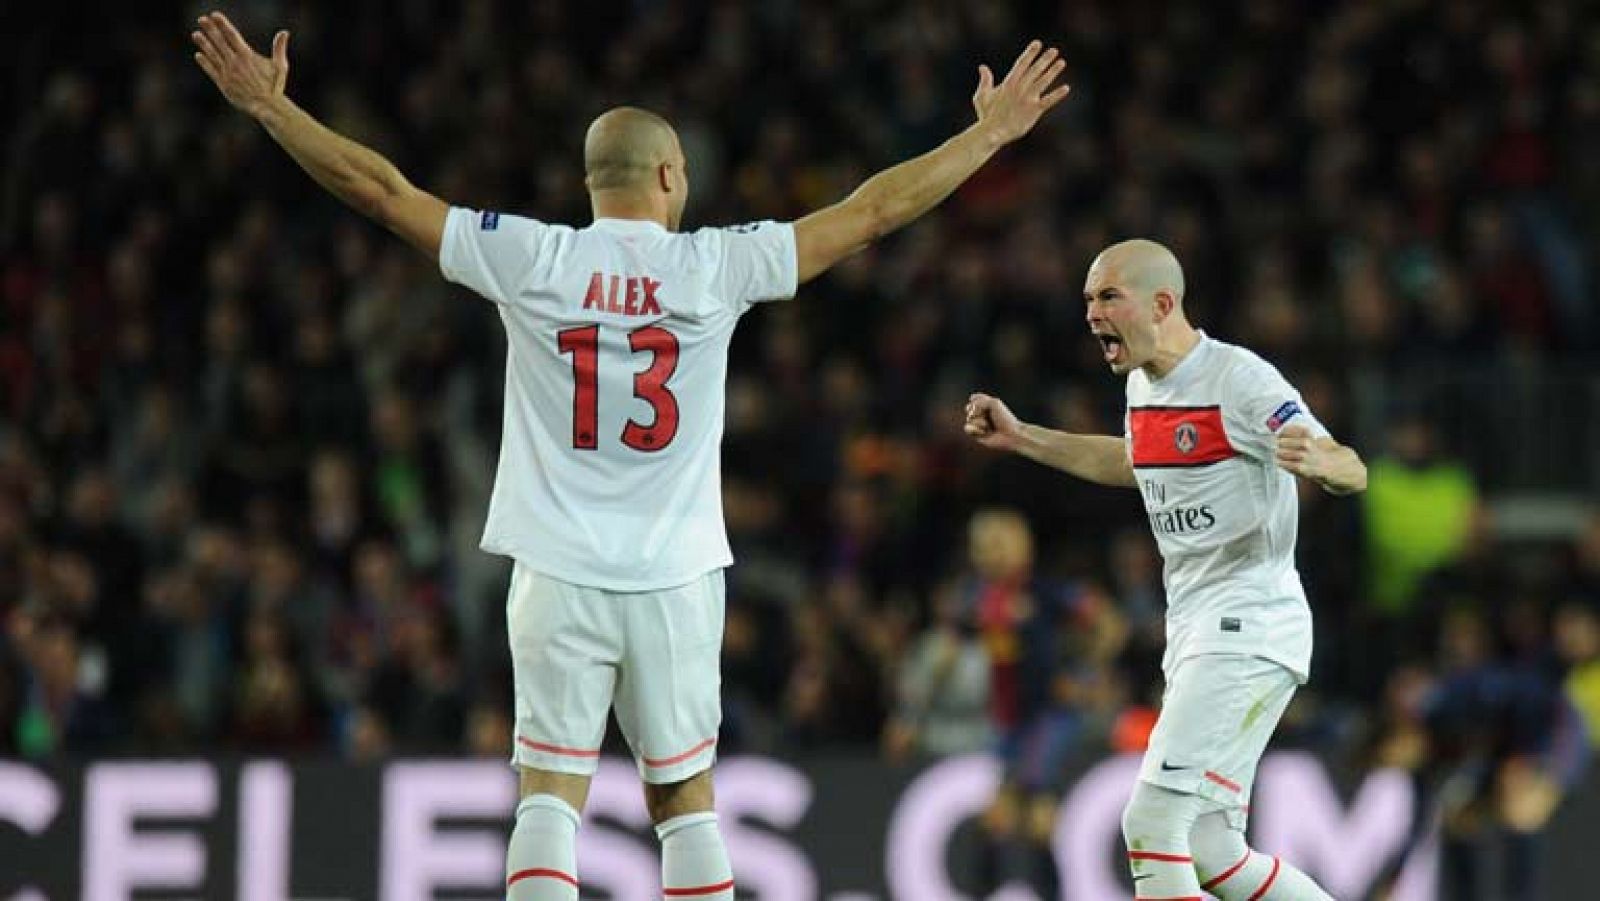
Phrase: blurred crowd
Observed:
(246, 439)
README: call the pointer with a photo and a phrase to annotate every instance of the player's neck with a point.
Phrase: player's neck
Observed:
(627, 205)
(1171, 349)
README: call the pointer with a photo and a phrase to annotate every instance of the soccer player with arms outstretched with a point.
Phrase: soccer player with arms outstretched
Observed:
(1214, 438)
(607, 494)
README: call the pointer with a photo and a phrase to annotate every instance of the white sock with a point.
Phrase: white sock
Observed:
(694, 862)
(541, 864)
(1234, 872)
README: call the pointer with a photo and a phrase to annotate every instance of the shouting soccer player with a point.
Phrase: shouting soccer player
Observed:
(607, 495)
(1214, 437)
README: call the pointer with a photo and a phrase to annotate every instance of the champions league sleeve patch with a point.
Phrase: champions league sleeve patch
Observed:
(1283, 414)
(489, 221)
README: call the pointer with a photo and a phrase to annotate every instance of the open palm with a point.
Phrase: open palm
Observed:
(250, 81)
(1011, 108)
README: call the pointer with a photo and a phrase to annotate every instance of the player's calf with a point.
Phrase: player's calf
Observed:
(541, 864)
(694, 860)
(1234, 872)
(1156, 825)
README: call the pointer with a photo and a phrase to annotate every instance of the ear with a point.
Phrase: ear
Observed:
(1164, 304)
(664, 177)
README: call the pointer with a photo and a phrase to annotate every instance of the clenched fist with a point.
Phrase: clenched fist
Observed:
(992, 423)
(1301, 454)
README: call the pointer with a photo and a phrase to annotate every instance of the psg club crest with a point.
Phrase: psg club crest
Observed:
(1186, 437)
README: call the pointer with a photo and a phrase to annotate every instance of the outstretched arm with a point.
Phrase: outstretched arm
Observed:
(896, 196)
(1095, 458)
(360, 177)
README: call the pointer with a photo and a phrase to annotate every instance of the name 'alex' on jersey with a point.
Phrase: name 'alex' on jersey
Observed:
(1202, 441)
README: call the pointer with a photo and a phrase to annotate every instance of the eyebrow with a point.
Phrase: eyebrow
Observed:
(1106, 293)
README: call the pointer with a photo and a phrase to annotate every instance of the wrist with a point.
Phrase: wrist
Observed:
(273, 111)
(984, 137)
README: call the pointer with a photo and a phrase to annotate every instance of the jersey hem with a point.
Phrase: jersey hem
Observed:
(1299, 668)
(574, 576)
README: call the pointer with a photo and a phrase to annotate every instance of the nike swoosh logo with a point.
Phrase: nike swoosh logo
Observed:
(1167, 767)
(1142, 876)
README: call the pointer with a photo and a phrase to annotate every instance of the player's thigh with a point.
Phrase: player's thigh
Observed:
(1218, 714)
(669, 688)
(565, 650)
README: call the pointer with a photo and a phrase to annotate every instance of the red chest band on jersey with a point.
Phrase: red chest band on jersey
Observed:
(1166, 437)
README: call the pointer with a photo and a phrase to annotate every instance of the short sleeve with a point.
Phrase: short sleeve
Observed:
(491, 253)
(1259, 403)
(758, 263)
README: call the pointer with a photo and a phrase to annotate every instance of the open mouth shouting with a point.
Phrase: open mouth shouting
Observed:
(1111, 347)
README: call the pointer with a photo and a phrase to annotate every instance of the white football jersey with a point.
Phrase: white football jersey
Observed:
(1202, 441)
(610, 457)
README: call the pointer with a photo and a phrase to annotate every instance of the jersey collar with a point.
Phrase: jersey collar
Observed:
(628, 225)
(1182, 373)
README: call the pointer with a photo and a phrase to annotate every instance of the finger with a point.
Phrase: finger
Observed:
(210, 68)
(1024, 59)
(209, 48)
(985, 80)
(1040, 65)
(219, 49)
(280, 49)
(1049, 76)
(1056, 96)
(235, 40)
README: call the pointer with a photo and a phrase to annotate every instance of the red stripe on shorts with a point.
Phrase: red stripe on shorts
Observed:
(1228, 784)
(520, 875)
(1271, 878)
(669, 761)
(556, 749)
(698, 890)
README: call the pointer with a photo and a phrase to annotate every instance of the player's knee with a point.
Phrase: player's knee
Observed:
(570, 788)
(1216, 846)
(675, 799)
(1158, 819)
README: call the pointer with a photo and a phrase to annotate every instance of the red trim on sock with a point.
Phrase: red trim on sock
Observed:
(669, 761)
(1228, 872)
(1271, 878)
(1156, 855)
(708, 890)
(520, 875)
(1228, 784)
(556, 749)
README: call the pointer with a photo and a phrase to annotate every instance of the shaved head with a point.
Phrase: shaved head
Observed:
(1142, 266)
(624, 146)
(1134, 294)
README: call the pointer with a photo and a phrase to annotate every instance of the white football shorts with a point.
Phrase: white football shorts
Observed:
(655, 655)
(1217, 714)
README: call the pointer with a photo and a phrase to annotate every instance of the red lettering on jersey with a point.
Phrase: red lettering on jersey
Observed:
(596, 298)
(1179, 436)
(631, 305)
(651, 306)
(630, 296)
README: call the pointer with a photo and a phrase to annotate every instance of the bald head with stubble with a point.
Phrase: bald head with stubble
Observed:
(634, 166)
